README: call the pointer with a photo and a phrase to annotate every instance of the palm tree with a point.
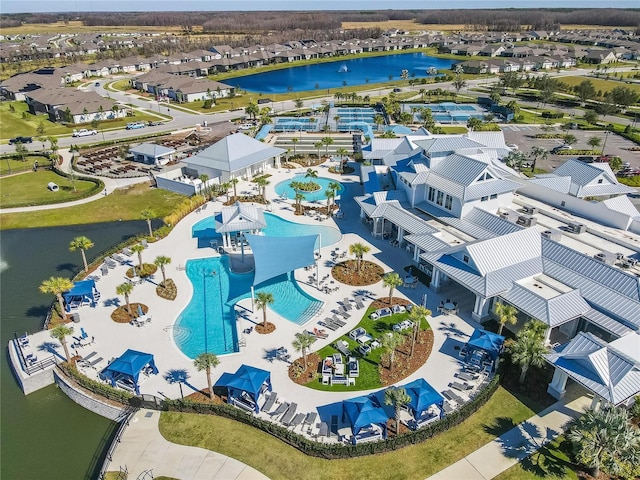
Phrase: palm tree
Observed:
(263, 299)
(262, 184)
(528, 348)
(326, 141)
(378, 120)
(234, 182)
(604, 439)
(537, 151)
(57, 286)
(147, 215)
(205, 361)
(81, 243)
(343, 153)
(161, 261)
(318, 146)
(417, 315)
(330, 194)
(358, 250)
(138, 249)
(302, 343)
(299, 197)
(311, 173)
(398, 397)
(294, 140)
(506, 314)
(60, 333)
(391, 281)
(125, 289)
(390, 342)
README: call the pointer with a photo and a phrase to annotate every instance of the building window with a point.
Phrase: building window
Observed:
(447, 202)
(484, 199)
(440, 198)
(465, 258)
(432, 194)
(493, 196)
(563, 203)
(599, 180)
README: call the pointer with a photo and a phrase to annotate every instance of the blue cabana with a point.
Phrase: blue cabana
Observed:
(246, 387)
(124, 371)
(422, 396)
(363, 412)
(489, 342)
(83, 292)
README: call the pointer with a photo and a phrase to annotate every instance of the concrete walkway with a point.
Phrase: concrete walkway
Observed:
(142, 448)
(517, 444)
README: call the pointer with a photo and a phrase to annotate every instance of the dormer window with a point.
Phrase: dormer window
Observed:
(465, 258)
(599, 180)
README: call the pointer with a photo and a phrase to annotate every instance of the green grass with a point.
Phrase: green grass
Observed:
(280, 461)
(550, 462)
(453, 129)
(600, 83)
(369, 377)
(22, 166)
(123, 204)
(31, 189)
(14, 124)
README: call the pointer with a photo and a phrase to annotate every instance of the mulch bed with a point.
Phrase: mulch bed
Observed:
(144, 271)
(369, 273)
(203, 397)
(265, 329)
(299, 375)
(121, 315)
(167, 290)
(403, 364)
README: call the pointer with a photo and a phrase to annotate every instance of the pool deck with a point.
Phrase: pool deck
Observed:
(112, 339)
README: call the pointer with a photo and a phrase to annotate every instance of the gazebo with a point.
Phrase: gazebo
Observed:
(239, 219)
(246, 387)
(422, 396)
(83, 292)
(125, 370)
(489, 342)
(368, 419)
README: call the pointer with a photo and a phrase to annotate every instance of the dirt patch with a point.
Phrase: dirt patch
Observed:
(404, 364)
(265, 329)
(347, 273)
(121, 315)
(203, 397)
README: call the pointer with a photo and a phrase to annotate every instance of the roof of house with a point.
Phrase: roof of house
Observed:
(621, 204)
(151, 150)
(583, 174)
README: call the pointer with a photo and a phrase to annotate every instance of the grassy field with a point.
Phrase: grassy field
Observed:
(75, 26)
(600, 83)
(10, 165)
(550, 462)
(280, 461)
(123, 204)
(30, 188)
(15, 123)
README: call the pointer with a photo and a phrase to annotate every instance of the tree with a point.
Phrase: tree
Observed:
(57, 286)
(294, 140)
(161, 262)
(624, 97)
(138, 249)
(417, 315)
(83, 244)
(569, 139)
(262, 183)
(40, 129)
(537, 151)
(528, 348)
(378, 120)
(594, 142)
(225, 188)
(585, 91)
(506, 314)
(125, 290)
(326, 141)
(302, 343)
(514, 159)
(342, 152)
(615, 163)
(21, 149)
(298, 103)
(147, 216)
(252, 110)
(390, 342)
(205, 361)
(590, 117)
(473, 123)
(398, 397)
(391, 281)
(606, 440)
(234, 181)
(311, 174)
(494, 94)
(318, 146)
(264, 299)
(53, 142)
(60, 333)
(358, 250)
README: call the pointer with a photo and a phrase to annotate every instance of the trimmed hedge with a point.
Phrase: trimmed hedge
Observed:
(339, 450)
(101, 389)
(548, 114)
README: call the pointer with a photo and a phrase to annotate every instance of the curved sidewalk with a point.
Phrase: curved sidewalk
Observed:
(142, 448)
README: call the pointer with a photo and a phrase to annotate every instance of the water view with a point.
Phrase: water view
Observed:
(46, 435)
(355, 71)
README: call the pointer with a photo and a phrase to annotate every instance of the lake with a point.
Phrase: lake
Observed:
(354, 71)
(46, 435)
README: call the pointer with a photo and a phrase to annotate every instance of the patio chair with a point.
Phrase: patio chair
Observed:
(288, 416)
(359, 303)
(271, 400)
(282, 408)
(127, 251)
(346, 304)
(104, 270)
(144, 243)
(310, 418)
(297, 420)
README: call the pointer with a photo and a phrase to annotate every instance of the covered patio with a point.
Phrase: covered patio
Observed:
(246, 388)
(425, 405)
(482, 350)
(83, 293)
(367, 418)
(237, 220)
(124, 371)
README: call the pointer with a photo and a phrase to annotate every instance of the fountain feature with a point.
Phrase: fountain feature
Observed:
(343, 69)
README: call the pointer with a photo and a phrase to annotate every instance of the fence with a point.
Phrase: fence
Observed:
(114, 444)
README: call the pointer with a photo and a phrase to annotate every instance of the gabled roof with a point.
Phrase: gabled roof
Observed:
(446, 144)
(151, 150)
(583, 174)
(234, 153)
(606, 370)
(504, 251)
(552, 182)
(241, 217)
(394, 213)
(621, 204)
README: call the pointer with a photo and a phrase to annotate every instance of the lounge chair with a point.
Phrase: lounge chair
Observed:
(282, 408)
(104, 270)
(110, 262)
(94, 364)
(328, 323)
(359, 303)
(297, 420)
(271, 400)
(337, 321)
(346, 304)
(463, 387)
(288, 416)
(144, 243)
(310, 418)
(320, 333)
(127, 251)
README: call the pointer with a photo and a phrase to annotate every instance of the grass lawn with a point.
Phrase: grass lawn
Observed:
(16, 166)
(31, 189)
(14, 124)
(550, 462)
(123, 204)
(280, 461)
(600, 83)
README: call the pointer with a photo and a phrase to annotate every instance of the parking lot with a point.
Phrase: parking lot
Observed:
(524, 137)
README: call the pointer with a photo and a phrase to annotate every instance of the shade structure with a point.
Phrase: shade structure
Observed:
(274, 256)
(82, 291)
(247, 385)
(422, 396)
(487, 341)
(363, 412)
(127, 368)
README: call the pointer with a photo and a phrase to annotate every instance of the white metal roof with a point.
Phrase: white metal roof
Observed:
(241, 217)
(553, 182)
(151, 150)
(621, 204)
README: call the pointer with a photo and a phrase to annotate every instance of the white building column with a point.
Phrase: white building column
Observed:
(435, 280)
(416, 254)
(480, 309)
(558, 386)
(400, 234)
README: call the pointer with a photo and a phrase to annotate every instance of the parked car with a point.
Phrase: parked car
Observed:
(97, 84)
(264, 100)
(134, 125)
(20, 140)
(586, 159)
(83, 132)
(154, 124)
(560, 148)
(512, 146)
(604, 158)
(245, 126)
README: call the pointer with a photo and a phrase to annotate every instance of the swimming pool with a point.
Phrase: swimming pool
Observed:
(283, 188)
(446, 112)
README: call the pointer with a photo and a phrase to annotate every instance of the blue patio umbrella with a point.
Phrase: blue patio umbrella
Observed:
(362, 412)
(422, 395)
(140, 312)
(487, 341)
(83, 334)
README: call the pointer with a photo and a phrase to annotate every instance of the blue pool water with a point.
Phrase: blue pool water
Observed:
(283, 188)
(359, 71)
(448, 112)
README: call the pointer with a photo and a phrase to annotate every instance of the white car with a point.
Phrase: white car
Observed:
(84, 132)
(245, 126)
(512, 146)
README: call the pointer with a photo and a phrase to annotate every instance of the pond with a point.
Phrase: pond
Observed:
(354, 71)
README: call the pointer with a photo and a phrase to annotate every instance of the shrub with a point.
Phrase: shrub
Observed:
(99, 388)
(548, 114)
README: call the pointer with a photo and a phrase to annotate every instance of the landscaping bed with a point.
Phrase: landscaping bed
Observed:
(167, 290)
(346, 272)
(121, 315)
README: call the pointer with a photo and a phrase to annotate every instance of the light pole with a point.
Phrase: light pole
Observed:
(604, 144)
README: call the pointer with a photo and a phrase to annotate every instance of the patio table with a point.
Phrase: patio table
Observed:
(449, 307)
